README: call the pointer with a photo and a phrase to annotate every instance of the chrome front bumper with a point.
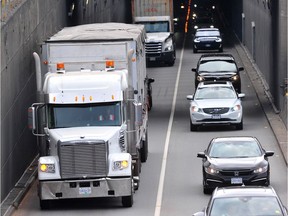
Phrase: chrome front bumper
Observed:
(89, 188)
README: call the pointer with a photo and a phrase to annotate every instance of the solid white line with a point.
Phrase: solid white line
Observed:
(166, 147)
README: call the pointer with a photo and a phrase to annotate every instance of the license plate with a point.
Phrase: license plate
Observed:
(152, 59)
(85, 190)
(208, 45)
(236, 181)
(216, 116)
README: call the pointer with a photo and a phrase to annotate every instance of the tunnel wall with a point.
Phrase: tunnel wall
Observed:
(261, 26)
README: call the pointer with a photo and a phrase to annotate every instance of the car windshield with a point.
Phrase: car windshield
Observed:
(234, 149)
(217, 66)
(209, 33)
(248, 206)
(215, 92)
(81, 115)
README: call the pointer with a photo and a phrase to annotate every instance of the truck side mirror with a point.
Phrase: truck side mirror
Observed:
(31, 118)
(138, 114)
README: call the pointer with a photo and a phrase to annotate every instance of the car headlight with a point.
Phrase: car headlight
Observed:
(47, 167)
(218, 40)
(195, 109)
(168, 45)
(195, 27)
(211, 170)
(200, 78)
(261, 169)
(196, 40)
(234, 78)
(120, 165)
(211, 26)
(236, 107)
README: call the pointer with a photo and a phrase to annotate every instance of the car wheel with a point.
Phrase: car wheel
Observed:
(193, 127)
(239, 126)
(221, 49)
(194, 50)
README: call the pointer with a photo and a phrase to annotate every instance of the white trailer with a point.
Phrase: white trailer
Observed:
(157, 17)
(92, 112)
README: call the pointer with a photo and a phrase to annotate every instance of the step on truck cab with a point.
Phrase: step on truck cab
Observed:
(91, 114)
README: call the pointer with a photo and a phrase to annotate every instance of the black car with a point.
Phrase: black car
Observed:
(207, 39)
(218, 67)
(244, 201)
(234, 161)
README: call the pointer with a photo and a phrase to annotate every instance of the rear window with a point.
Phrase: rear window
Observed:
(207, 34)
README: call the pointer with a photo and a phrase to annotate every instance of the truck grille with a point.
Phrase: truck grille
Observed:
(80, 159)
(153, 48)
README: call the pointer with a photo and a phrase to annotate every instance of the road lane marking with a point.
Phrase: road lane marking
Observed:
(166, 147)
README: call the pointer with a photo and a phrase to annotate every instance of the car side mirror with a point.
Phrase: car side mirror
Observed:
(193, 69)
(201, 155)
(269, 153)
(189, 97)
(241, 95)
(241, 68)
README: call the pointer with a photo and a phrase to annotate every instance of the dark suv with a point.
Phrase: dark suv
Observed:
(218, 67)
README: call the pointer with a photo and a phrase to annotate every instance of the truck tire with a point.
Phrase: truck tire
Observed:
(44, 204)
(127, 201)
(144, 148)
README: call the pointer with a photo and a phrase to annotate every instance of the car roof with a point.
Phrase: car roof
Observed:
(207, 29)
(213, 57)
(236, 191)
(232, 138)
(215, 84)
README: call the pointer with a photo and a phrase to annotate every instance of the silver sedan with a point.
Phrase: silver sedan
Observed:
(215, 103)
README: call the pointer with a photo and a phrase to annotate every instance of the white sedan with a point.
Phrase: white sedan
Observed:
(215, 103)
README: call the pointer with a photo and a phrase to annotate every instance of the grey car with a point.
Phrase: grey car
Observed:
(215, 103)
(244, 201)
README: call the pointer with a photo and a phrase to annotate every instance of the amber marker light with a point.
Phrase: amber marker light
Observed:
(83, 98)
(109, 64)
(60, 66)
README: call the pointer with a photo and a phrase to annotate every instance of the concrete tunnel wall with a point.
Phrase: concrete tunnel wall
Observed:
(25, 24)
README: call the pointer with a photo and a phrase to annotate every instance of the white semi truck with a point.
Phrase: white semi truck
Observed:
(157, 17)
(92, 112)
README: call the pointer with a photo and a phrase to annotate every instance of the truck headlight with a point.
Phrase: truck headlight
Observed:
(168, 45)
(47, 168)
(120, 165)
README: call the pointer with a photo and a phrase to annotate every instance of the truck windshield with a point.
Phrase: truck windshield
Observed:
(151, 27)
(81, 115)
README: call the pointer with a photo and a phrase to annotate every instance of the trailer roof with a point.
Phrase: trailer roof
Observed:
(100, 32)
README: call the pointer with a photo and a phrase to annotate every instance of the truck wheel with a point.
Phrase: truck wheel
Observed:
(144, 148)
(44, 204)
(150, 102)
(127, 201)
